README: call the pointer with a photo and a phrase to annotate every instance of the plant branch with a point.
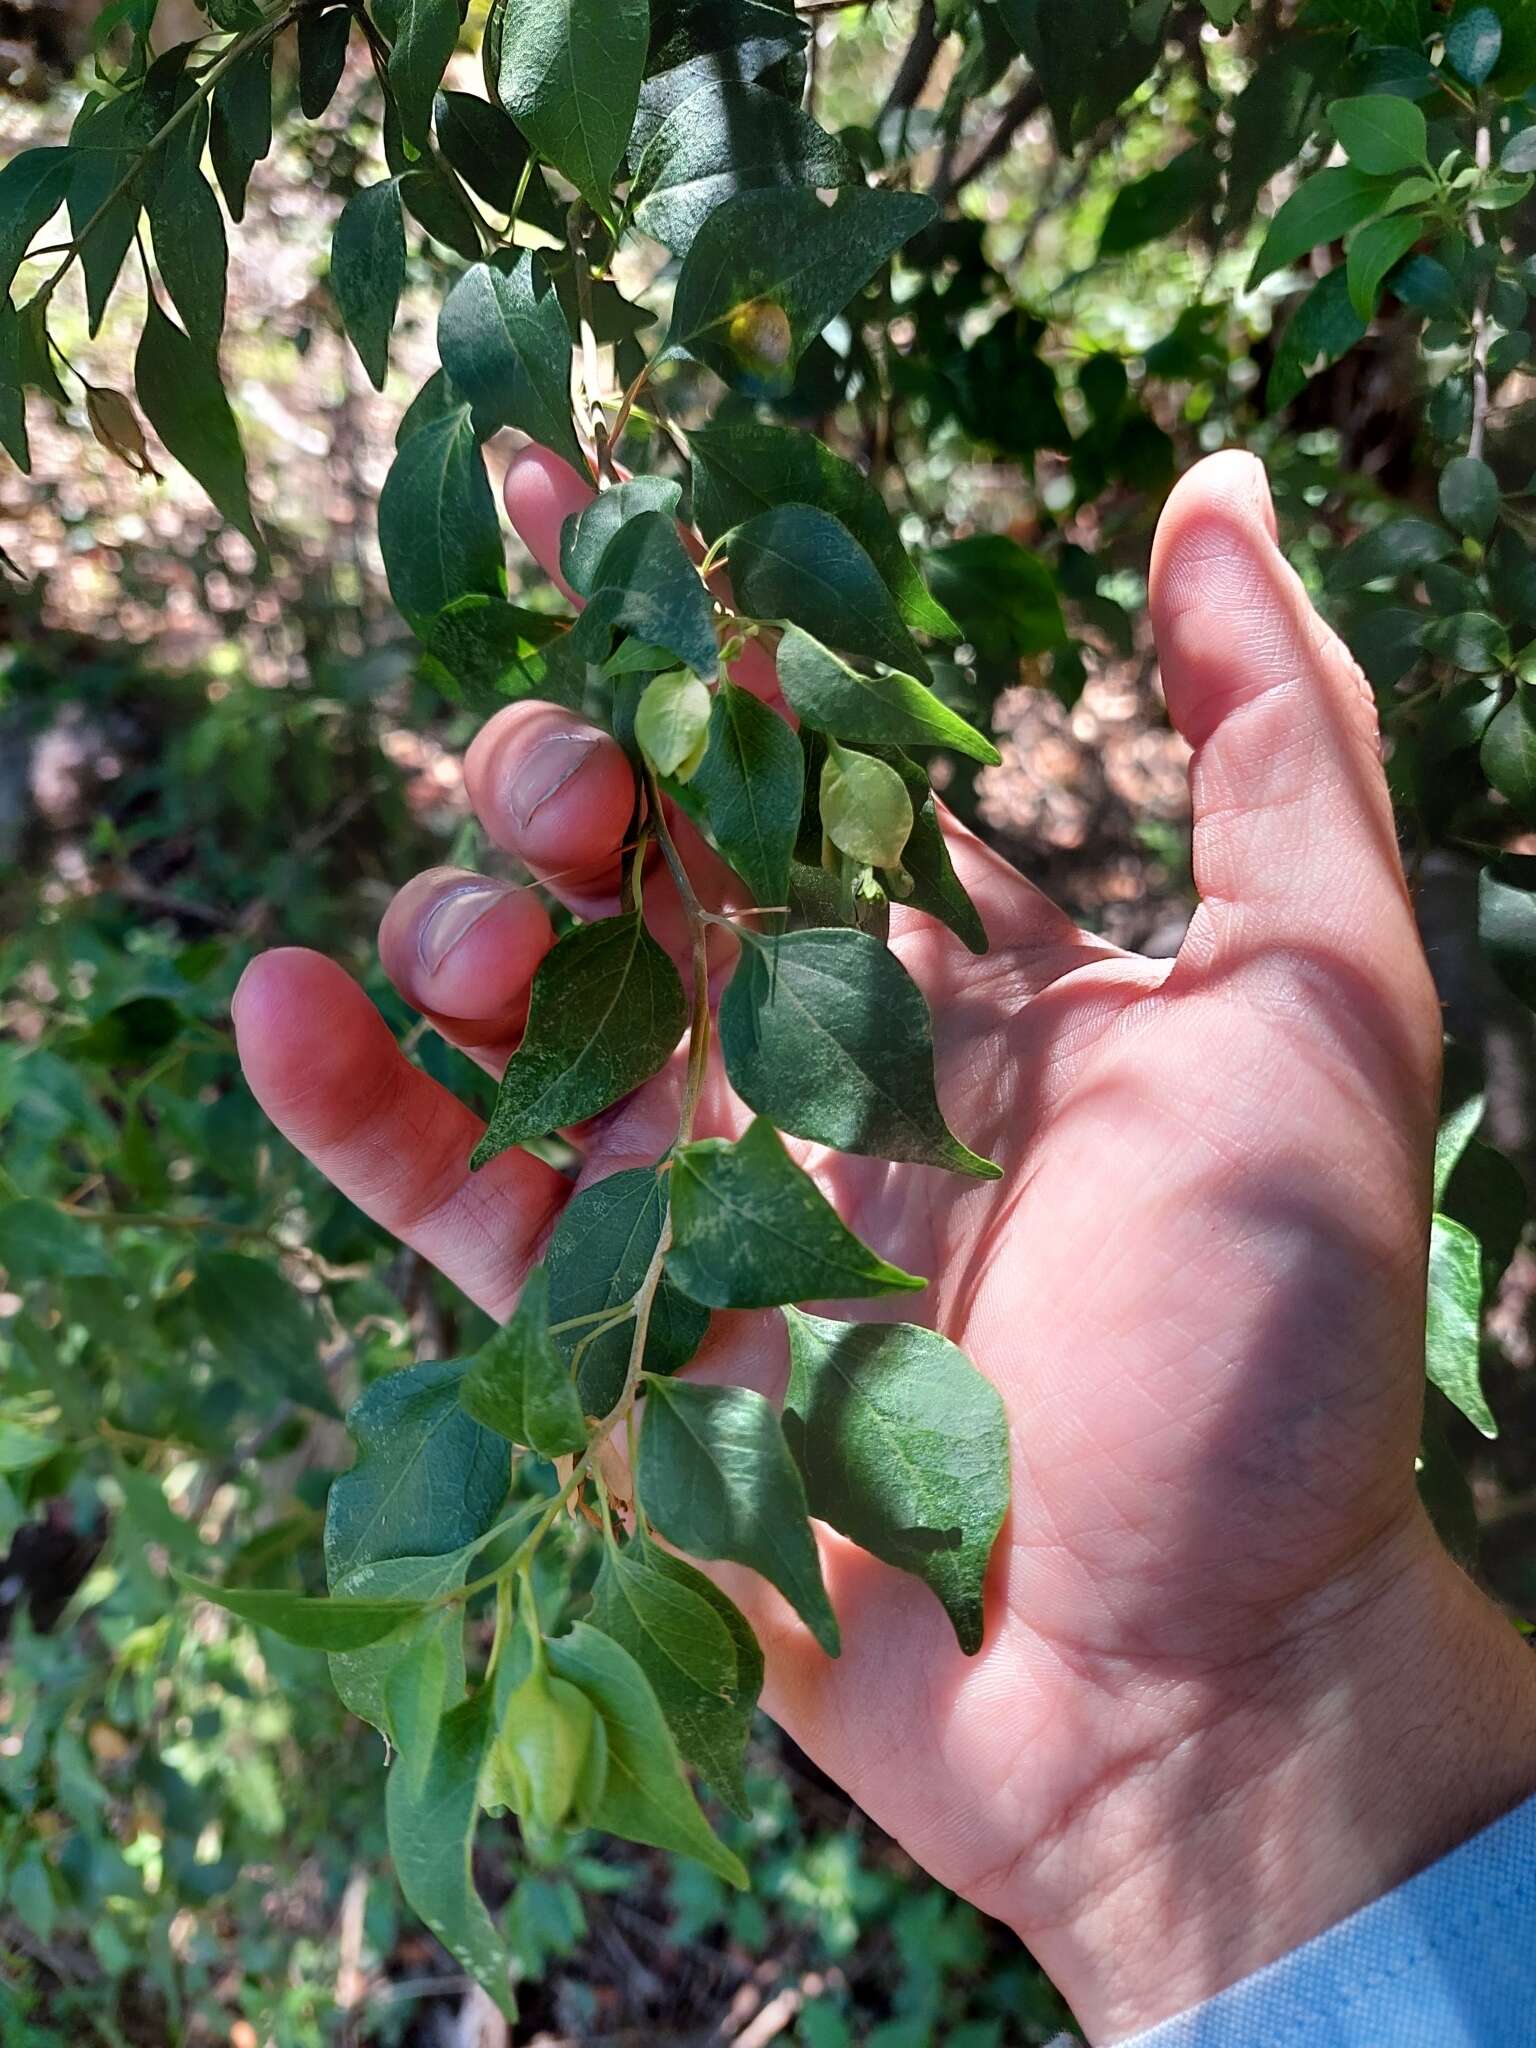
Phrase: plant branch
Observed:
(1479, 428)
(916, 64)
(1024, 105)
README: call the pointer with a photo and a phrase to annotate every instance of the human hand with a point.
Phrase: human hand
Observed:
(1231, 1687)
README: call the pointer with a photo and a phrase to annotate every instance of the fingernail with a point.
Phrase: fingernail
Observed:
(453, 917)
(549, 766)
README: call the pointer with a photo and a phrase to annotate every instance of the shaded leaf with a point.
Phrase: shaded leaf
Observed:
(240, 130)
(646, 584)
(1153, 206)
(333, 1624)
(322, 57)
(32, 189)
(586, 534)
(183, 400)
(503, 341)
(896, 710)
(259, 1327)
(425, 34)
(361, 1677)
(39, 1242)
(750, 783)
(368, 271)
(519, 1385)
(1469, 496)
(438, 529)
(1373, 251)
(935, 888)
(569, 76)
(800, 565)
(1004, 597)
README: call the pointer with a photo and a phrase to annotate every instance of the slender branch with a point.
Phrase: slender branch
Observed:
(1479, 429)
(1025, 104)
(916, 64)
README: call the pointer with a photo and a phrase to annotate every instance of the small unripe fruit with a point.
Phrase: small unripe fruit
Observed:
(760, 334)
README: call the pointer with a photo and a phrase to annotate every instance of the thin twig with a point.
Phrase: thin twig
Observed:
(1479, 428)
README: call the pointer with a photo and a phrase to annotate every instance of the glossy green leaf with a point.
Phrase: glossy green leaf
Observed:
(716, 1478)
(183, 400)
(322, 45)
(1473, 42)
(904, 1448)
(361, 1677)
(751, 1229)
(788, 250)
(240, 127)
(438, 529)
(32, 189)
(644, 1797)
(1374, 250)
(1508, 754)
(1506, 922)
(933, 886)
(585, 535)
(865, 809)
(1399, 547)
(896, 710)
(368, 271)
(672, 722)
(432, 198)
(425, 34)
(570, 76)
(1453, 1329)
(1518, 155)
(1322, 208)
(826, 1034)
(431, 1823)
(482, 652)
(13, 405)
(1474, 641)
(259, 1327)
(1004, 597)
(334, 1624)
(520, 1386)
(606, 1012)
(735, 138)
(1469, 496)
(428, 1480)
(1381, 132)
(646, 584)
(697, 1652)
(750, 783)
(597, 1258)
(503, 341)
(801, 566)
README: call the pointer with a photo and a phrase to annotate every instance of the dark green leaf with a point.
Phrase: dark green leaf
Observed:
(1382, 133)
(1089, 55)
(368, 271)
(1471, 640)
(39, 1242)
(598, 1256)
(1004, 597)
(431, 1819)
(785, 250)
(1518, 156)
(438, 530)
(1506, 922)
(428, 1478)
(1273, 118)
(322, 57)
(482, 652)
(751, 1229)
(190, 250)
(1155, 205)
(1473, 42)
(520, 1386)
(183, 400)
(32, 189)
(697, 1652)
(826, 1034)
(415, 1700)
(432, 198)
(433, 401)
(240, 131)
(750, 784)
(800, 565)
(361, 1677)
(734, 138)
(1469, 496)
(13, 404)
(425, 34)
(259, 1326)
(904, 1448)
(935, 888)
(489, 154)
(894, 710)
(606, 1012)
(1324, 327)
(587, 533)
(1322, 208)
(1453, 1327)
(716, 1478)
(644, 1797)
(503, 341)
(570, 78)
(314, 1624)
(1400, 547)
(646, 584)
(1373, 251)
(1508, 754)
(1445, 1490)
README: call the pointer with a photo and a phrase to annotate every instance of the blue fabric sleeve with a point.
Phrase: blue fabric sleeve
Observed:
(1448, 1960)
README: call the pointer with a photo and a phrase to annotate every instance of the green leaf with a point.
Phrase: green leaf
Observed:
(1518, 156)
(672, 723)
(520, 1386)
(751, 1229)
(826, 1034)
(750, 783)
(39, 1242)
(717, 1479)
(190, 250)
(431, 1821)
(415, 1699)
(1381, 133)
(183, 400)
(1456, 1132)
(644, 1797)
(1506, 922)
(483, 652)
(1374, 250)
(606, 1012)
(935, 888)
(570, 78)
(585, 535)
(259, 1326)
(1452, 1338)
(785, 250)
(1163, 200)
(1004, 597)
(897, 710)
(504, 343)
(13, 404)
(1400, 547)
(1508, 754)
(432, 198)
(1322, 208)
(368, 271)
(1469, 496)
(1324, 327)
(746, 467)
(729, 139)
(425, 34)
(646, 584)
(865, 809)
(801, 566)
(697, 1652)
(438, 530)
(322, 57)
(904, 1448)
(1273, 118)
(489, 154)
(32, 189)
(1474, 641)
(361, 1677)
(1473, 42)
(428, 1479)
(313, 1624)
(240, 128)
(597, 1257)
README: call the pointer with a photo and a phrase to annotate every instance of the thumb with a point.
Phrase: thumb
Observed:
(1295, 849)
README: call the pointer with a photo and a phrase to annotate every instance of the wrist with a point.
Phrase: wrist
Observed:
(1244, 1809)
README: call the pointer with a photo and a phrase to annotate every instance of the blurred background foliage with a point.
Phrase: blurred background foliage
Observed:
(196, 761)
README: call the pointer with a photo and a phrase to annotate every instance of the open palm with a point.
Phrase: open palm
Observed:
(1198, 1285)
